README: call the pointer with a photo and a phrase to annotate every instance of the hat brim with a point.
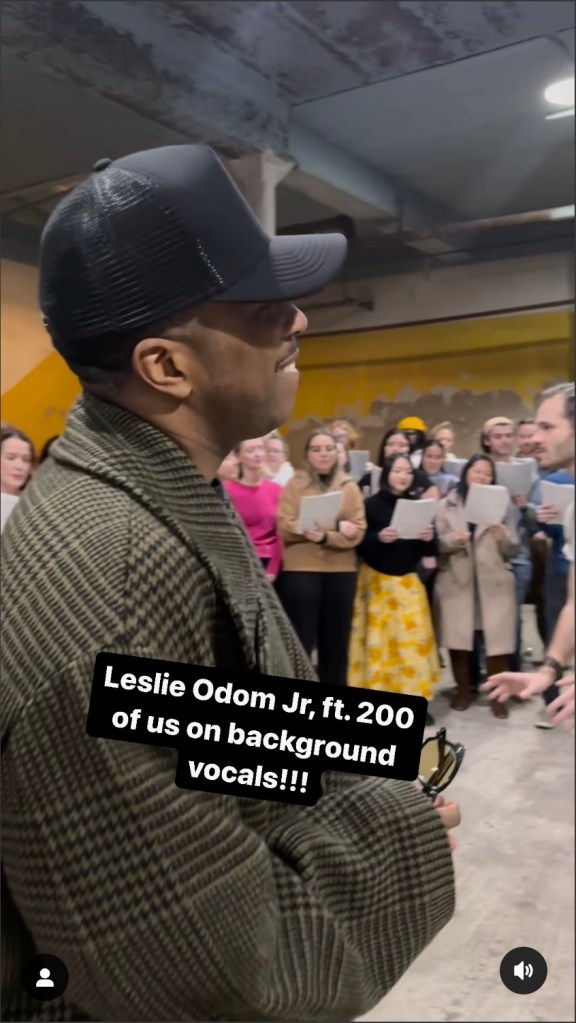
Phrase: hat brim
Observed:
(294, 266)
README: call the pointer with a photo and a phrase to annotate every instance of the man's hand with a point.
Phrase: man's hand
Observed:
(547, 513)
(450, 814)
(462, 539)
(426, 534)
(348, 529)
(525, 684)
(520, 501)
(561, 710)
(388, 535)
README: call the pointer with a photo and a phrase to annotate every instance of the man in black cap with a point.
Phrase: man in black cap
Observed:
(164, 295)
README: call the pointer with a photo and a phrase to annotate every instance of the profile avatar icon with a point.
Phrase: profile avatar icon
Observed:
(44, 979)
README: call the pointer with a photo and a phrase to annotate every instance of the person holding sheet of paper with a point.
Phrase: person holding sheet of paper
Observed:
(319, 577)
(392, 645)
(433, 459)
(395, 442)
(474, 590)
(554, 439)
(498, 440)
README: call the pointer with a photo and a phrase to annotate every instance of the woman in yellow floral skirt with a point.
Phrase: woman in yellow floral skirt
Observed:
(392, 644)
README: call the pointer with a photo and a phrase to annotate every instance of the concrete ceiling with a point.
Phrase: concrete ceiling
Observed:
(410, 113)
(472, 133)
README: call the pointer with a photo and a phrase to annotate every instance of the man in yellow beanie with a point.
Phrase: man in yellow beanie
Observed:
(415, 430)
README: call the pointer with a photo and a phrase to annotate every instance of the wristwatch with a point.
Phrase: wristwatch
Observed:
(551, 662)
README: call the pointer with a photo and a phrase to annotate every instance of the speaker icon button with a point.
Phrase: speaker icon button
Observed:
(523, 970)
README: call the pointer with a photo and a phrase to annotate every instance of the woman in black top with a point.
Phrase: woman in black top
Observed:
(395, 442)
(392, 643)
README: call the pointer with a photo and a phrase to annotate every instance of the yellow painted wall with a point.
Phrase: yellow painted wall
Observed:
(464, 370)
(460, 369)
(38, 389)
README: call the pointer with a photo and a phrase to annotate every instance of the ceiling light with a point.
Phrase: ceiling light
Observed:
(560, 113)
(561, 94)
(562, 213)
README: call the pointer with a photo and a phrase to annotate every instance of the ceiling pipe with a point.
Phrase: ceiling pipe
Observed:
(344, 303)
(345, 225)
(340, 224)
(508, 220)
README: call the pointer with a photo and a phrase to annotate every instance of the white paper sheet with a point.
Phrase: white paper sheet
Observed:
(454, 466)
(319, 511)
(8, 504)
(375, 477)
(560, 495)
(518, 477)
(358, 462)
(412, 517)
(486, 505)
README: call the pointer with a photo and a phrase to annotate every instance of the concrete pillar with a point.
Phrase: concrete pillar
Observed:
(258, 176)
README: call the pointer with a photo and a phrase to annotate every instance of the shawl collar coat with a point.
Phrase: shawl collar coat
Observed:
(168, 904)
(486, 559)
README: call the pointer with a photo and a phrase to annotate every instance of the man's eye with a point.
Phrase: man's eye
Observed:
(267, 312)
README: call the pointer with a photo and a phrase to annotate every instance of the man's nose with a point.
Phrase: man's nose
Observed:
(300, 321)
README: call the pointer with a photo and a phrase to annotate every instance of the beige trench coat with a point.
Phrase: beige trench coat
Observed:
(485, 558)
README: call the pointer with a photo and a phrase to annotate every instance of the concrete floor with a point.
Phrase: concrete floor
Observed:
(514, 872)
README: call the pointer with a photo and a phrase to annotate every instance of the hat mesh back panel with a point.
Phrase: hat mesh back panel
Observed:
(119, 260)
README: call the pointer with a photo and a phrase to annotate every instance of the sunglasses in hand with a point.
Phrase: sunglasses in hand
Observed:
(440, 762)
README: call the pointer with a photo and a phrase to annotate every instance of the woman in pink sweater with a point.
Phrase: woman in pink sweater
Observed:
(256, 501)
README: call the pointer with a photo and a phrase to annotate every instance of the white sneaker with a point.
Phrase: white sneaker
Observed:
(543, 720)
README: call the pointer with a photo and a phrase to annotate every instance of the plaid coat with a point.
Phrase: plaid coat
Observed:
(168, 904)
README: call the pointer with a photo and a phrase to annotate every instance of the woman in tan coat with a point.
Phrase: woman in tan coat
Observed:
(318, 580)
(474, 590)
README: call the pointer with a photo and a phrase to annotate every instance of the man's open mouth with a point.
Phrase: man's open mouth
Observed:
(288, 363)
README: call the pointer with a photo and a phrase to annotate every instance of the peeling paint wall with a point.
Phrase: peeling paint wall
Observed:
(464, 371)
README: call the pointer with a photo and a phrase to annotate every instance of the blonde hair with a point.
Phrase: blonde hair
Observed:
(447, 425)
(351, 432)
(275, 435)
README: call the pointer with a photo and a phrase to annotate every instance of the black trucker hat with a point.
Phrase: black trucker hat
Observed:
(152, 234)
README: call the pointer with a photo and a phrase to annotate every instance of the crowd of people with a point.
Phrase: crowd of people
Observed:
(125, 541)
(373, 609)
(377, 609)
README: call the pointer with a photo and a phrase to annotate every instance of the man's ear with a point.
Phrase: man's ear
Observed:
(164, 365)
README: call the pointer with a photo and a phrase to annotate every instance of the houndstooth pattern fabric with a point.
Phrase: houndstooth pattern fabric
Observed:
(168, 904)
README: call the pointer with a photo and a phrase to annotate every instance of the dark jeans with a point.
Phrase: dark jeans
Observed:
(522, 579)
(319, 605)
(477, 660)
(536, 594)
(556, 595)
